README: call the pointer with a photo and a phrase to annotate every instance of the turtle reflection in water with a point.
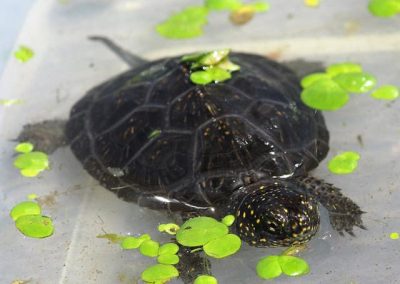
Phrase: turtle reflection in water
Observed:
(243, 146)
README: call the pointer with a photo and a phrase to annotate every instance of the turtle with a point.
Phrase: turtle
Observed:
(244, 146)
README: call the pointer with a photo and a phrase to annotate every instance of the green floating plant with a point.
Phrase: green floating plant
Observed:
(200, 230)
(228, 220)
(24, 147)
(223, 4)
(24, 53)
(208, 67)
(25, 208)
(223, 246)
(149, 248)
(213, 236)
(30, 222)
(169, 228)
(344, 163)
(394, 236)
(359, 82)
(133, 242)
(330, 90)
(343, 68)
(384, 8)
(324, 94)
(168, 259)
(35, 226)
(210, 75)
(168, 248)
(200, 233)
(273, 266)
(386, 92)
(30, 163)
(9, 102)
(159, 273)
(189, 22)
(205, 279)
(185, 24)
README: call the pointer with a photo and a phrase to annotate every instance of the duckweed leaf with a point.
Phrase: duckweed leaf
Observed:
(168, 259)
(223, 4)
(213, 74)
(131, 243)
(25, 208)
(205, 279)
(384, 8)
(200, 230)
(31, 163)
(169, 228)
(228, 220)
(201, 77)
(24, 53)
(159, 273)
(25, 147)
(343, 68)
(168, 248)
(387, 92)
(9, 102)
(32, 160)
(35, 226)
(269, 267)
(293, 266)
(219, 74)
(185, 24)
(308, 80)
(324, 94)
(228, 65)
(149, 248)
(356, 82)
(213, 57)
(259, 6)
(223, 246)
(344, 163)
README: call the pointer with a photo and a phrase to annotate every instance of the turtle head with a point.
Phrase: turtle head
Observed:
(274, 213)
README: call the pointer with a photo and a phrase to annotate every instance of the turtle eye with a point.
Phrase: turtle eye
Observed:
(277, 215)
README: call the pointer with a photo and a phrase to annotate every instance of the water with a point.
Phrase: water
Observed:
(66, 65)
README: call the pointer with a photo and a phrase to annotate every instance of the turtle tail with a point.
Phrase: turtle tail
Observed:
(344, 213)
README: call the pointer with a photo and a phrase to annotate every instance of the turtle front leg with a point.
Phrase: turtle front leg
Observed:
(46, 136)
(191, 264)
(344, 213)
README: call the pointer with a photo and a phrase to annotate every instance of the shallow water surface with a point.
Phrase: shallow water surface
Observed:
(66, 65)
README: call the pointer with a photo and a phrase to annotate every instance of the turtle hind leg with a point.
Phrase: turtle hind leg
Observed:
(344, 214)
(46, 136)
(131, 59)
(192, 264)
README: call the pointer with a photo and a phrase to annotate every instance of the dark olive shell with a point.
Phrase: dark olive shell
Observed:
(151, 132)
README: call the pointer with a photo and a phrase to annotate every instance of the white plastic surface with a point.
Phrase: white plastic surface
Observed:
(66, 65)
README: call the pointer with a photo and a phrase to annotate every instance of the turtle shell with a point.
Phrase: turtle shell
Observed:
(151, 132)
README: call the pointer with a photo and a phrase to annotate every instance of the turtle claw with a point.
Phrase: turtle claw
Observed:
(344, 213)
(346, 222)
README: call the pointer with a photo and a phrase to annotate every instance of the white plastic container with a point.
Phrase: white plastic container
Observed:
(66, 65)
